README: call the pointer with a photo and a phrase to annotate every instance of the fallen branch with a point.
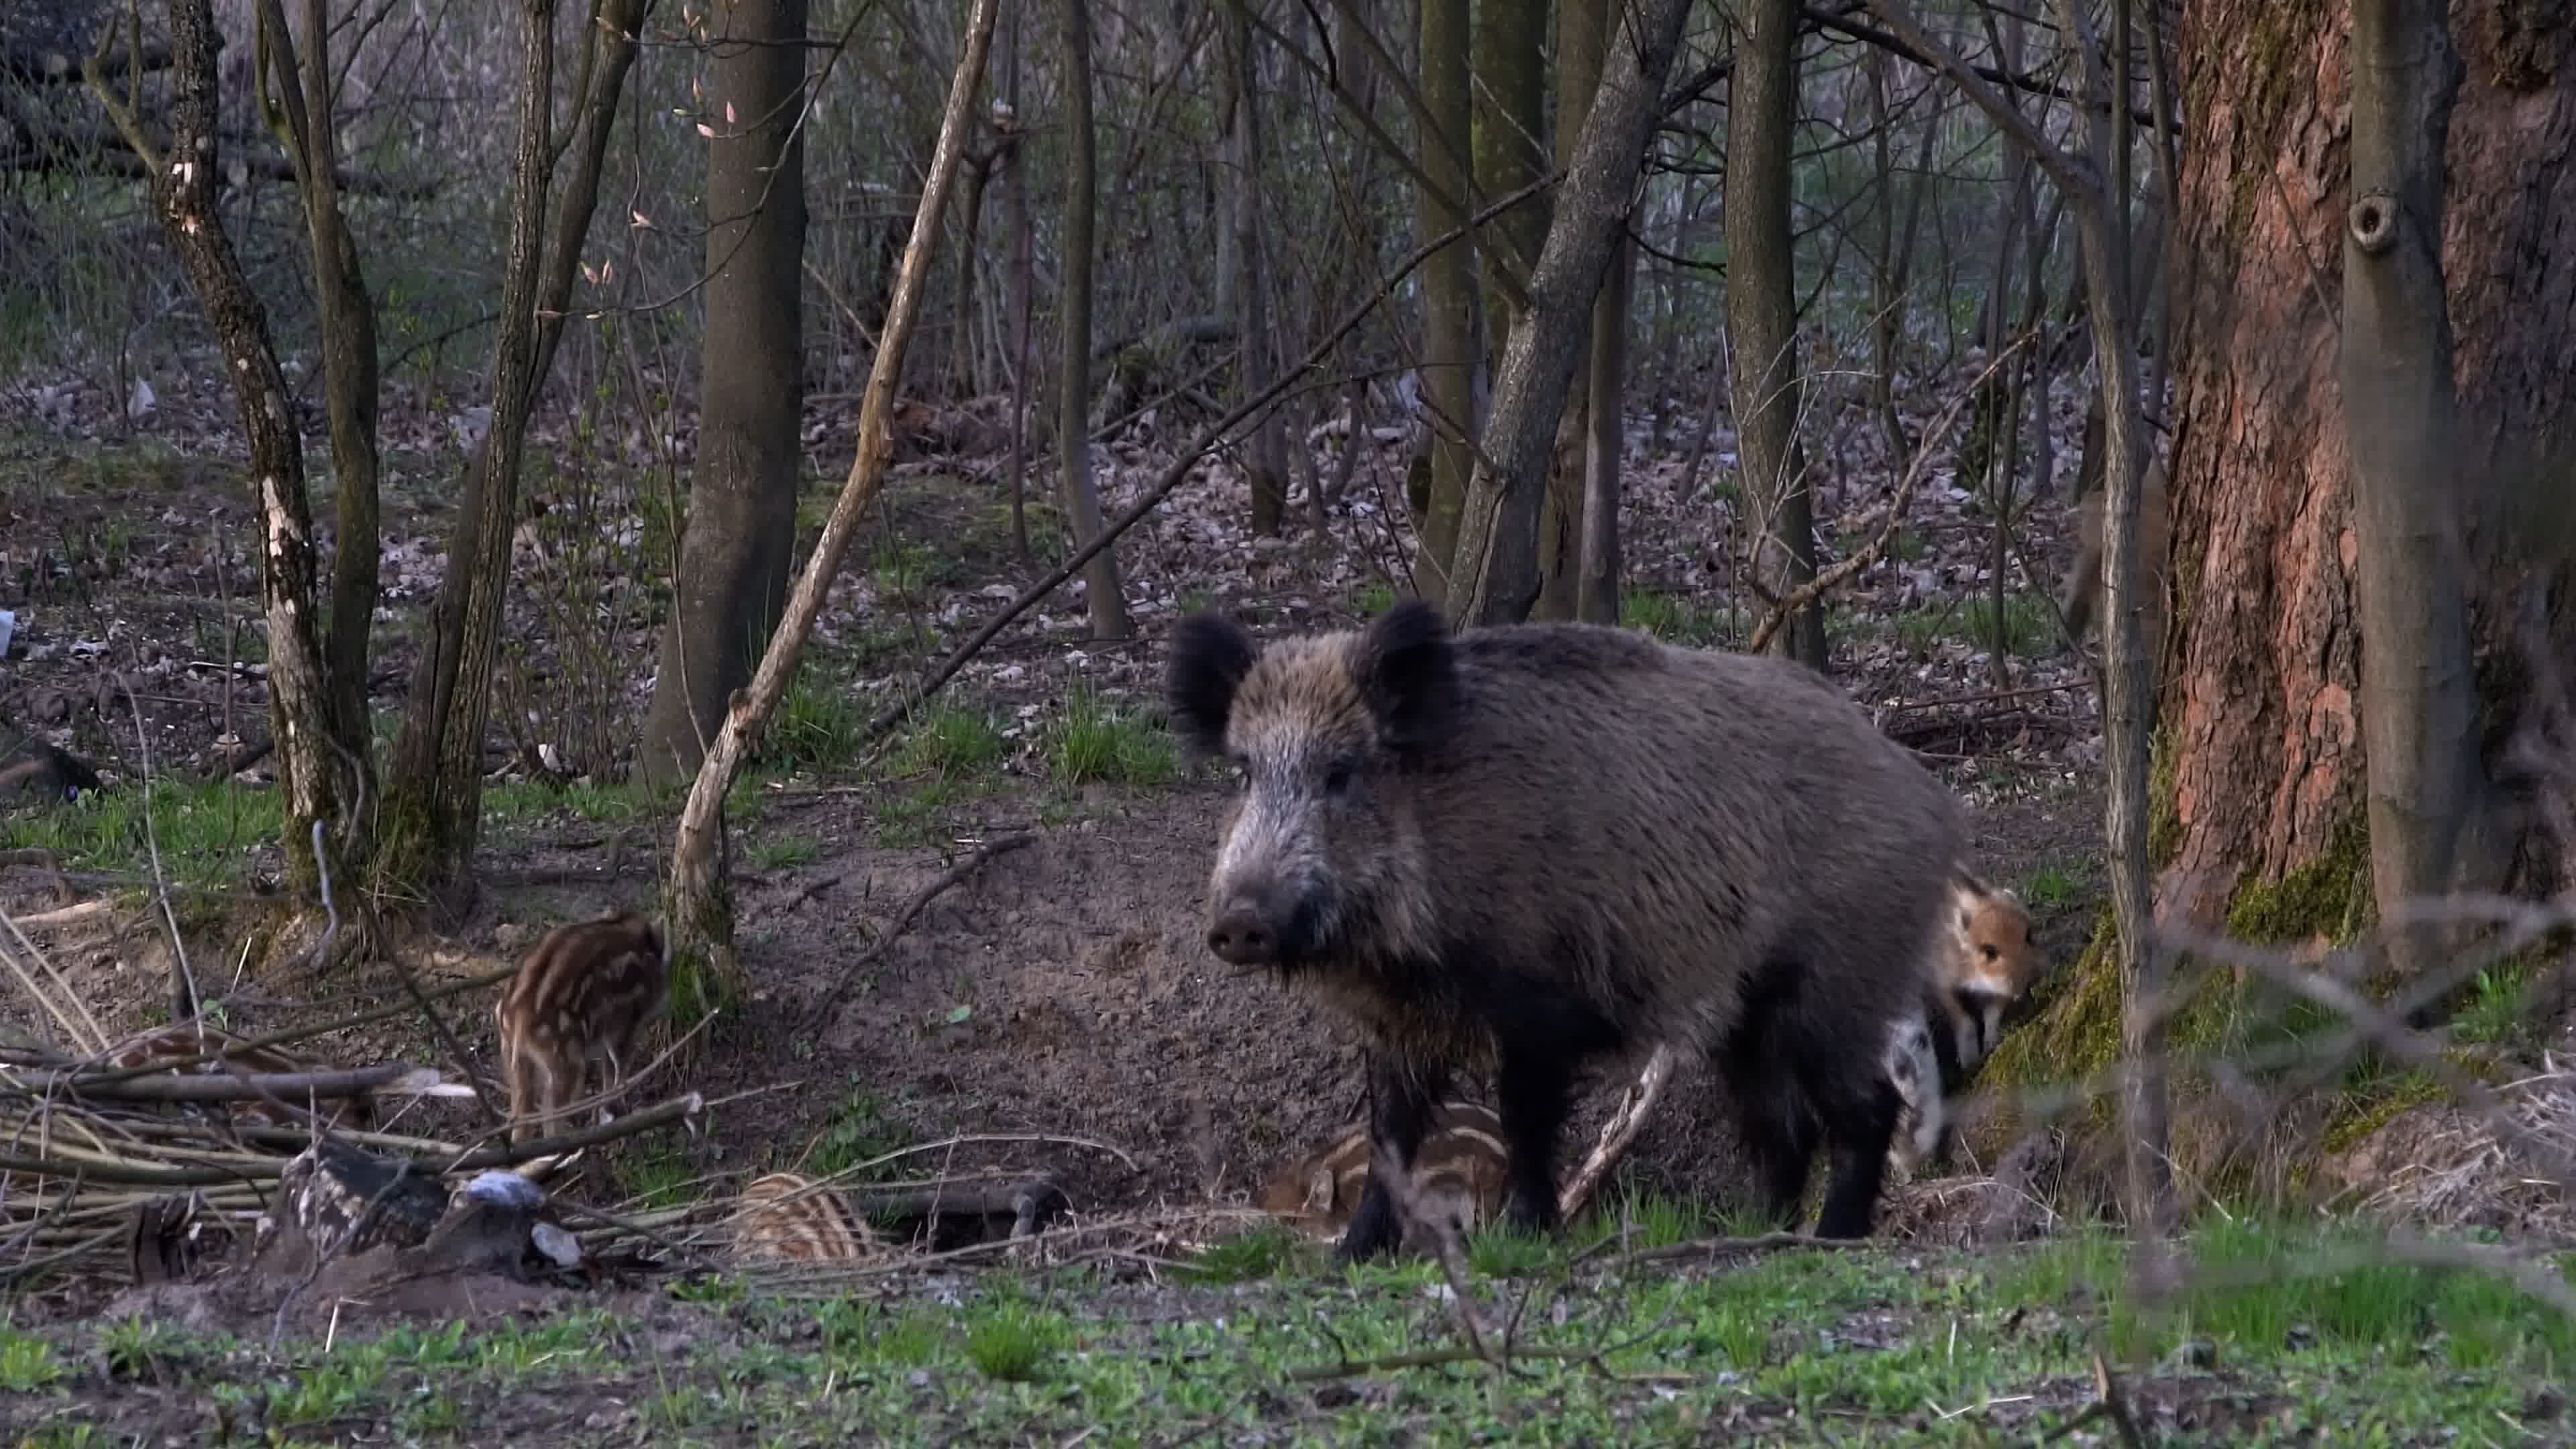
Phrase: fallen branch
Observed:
(903, 919)
(1721, 1247)
(674, 1110)
(1617, 1133)
(1870, 553)
(396, 1078)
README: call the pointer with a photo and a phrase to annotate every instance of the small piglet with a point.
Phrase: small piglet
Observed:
(580, 999)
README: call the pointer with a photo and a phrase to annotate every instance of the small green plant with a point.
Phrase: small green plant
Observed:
(1090, 739)
(857, 1133)
(2048, 886)
(1376, 599)
(952, 741)
(27, 1363)
(819, 725)
(1013, 1344)
(1502, 1252)
(139, 1348)
(1265, 1252)
(660, 1174)
(2497, 1009)
(780, 852)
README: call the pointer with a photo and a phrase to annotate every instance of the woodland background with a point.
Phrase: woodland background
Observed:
(400, 498)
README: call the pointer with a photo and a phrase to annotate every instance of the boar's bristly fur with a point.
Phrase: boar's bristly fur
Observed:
(1535, 849)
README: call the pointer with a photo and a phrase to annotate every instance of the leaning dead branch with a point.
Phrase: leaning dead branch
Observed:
(903, 919)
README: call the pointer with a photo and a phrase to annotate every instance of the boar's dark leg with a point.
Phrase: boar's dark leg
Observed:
(1401, 1095)
(1532, 1089)
(1863, 1122)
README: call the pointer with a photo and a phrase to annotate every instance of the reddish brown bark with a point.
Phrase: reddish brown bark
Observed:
(2261, 706)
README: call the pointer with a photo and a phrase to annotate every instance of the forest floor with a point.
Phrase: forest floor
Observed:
(1059, 998)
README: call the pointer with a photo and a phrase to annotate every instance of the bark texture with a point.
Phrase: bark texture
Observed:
(433, 794)
(1449, 298)
(1497, 556)
(1762, 315)
(736, 549)
(1100, 587)
(321, 773)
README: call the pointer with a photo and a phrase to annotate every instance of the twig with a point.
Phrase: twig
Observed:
(1869, 554)
(903, 918)
(1617, 1133)
(184, 979)
(234, 1087)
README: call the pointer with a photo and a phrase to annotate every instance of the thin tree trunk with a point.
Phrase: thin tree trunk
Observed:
(433, 794)
(1560, 517)
(1269, 451)
(1762, 315)
(321, 774)
(1015, 211)
(1597, 591)
(304, 117)
(739, 542)
(1497, 557)
(1450, 301)
(1100, 585)
(700, 906)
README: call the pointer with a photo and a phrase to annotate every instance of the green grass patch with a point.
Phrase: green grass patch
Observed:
(1672, 618)
(1091, 740)
(206, 830)
(1873, 1344)
(950, 742)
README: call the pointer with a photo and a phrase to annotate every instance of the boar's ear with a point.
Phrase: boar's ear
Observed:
(1409, 676)
(1210, 656)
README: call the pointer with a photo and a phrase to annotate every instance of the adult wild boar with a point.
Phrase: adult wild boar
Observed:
(1535, 849)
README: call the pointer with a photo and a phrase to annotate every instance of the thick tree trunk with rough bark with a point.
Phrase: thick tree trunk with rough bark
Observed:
(1497, 557)
(2265, 712)
(1450, 303)
(1579, 29)
(736, 551)
(1762, 315)
(2261, 820)
(1100, 587)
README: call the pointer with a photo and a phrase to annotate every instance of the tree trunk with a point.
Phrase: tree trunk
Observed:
(1497, 556)
(1596, 596)
(1268, 454)
(1450, 303)
(434, 793)
(1100, 585)
(699, 902)
(738, 544)
(1762, 315)
(2425, 785)
(308, 97)
(321, 770)
(1560, 516)
(2260, 818)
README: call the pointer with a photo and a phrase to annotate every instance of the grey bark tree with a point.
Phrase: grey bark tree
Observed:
(2425, 782)
(1268, 454)
(737, 545)
(1762, 315)
(1497, 555)
(1100, 586)
(1450, 302)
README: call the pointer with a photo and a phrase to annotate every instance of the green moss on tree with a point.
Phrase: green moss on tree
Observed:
(2329, 896)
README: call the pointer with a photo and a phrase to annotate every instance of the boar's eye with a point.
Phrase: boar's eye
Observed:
(1338, 776)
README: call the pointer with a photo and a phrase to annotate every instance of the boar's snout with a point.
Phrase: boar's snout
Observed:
(1257, 926)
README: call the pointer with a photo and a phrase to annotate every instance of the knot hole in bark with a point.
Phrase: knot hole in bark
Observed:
(2374, 222)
